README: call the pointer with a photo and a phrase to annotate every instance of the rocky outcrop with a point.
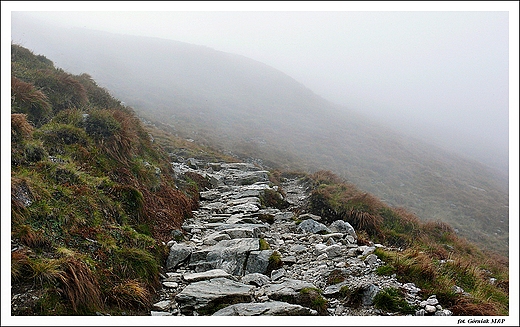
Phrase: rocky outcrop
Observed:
(240, 257)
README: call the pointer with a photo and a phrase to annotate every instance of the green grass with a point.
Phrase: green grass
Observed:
(392, 300)
(264, 245)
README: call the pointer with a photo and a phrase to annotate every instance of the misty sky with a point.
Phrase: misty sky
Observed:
(442, 75)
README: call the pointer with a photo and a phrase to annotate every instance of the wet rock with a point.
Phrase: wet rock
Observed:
(206, 295)
(256, 279)
(179, 253)
(371, 260)
(214, 273)
(229, 255)
(312, 226)
(274, 308)
(309, 216)
(162, 305)
(288, 288)
(343, 227)
(258, 261)
(277, 274)
(369, 293)
(214, 238)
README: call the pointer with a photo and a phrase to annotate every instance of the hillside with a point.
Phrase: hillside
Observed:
(251, 111)
(99, 198)
(92, 196)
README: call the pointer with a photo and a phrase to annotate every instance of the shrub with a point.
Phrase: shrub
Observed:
(272, 198)
(26, 99)
(101, 124)
(65, 92)
(72, 117)
(55, 135)
(23, 55)
(34, 152)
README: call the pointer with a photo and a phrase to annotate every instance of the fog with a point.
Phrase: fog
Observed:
(442, 76)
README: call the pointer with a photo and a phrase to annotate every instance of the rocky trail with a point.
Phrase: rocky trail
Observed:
(239, 257)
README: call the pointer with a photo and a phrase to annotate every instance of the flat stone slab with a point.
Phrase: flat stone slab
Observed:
(289, 287)
(274, 308)
(162, 305)
(160, 313)
(256, 279)
(229, 255)
(214, 273)
(206, 295)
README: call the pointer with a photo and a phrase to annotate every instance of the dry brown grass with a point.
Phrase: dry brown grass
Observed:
(20, 127)
(125, 140)
(325, 177)
(168, 208)
(80, 286)
(30, 237)
(25, 98)
(26, 94)
(362, 220)
(19, 263)
(466, 307)
(407, 217)
(130, 293)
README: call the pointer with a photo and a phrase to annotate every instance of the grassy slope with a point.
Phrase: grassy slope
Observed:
(430, 254)
(93, 198)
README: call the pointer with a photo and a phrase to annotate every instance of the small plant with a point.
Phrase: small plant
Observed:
(45, 271)
(311, 298)
(391, 300)
(275, 262)
(344, 291)
(137, 264)
(335, 277)
(264, 245)
(266, 218)
(353, 297)
(274, 199)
